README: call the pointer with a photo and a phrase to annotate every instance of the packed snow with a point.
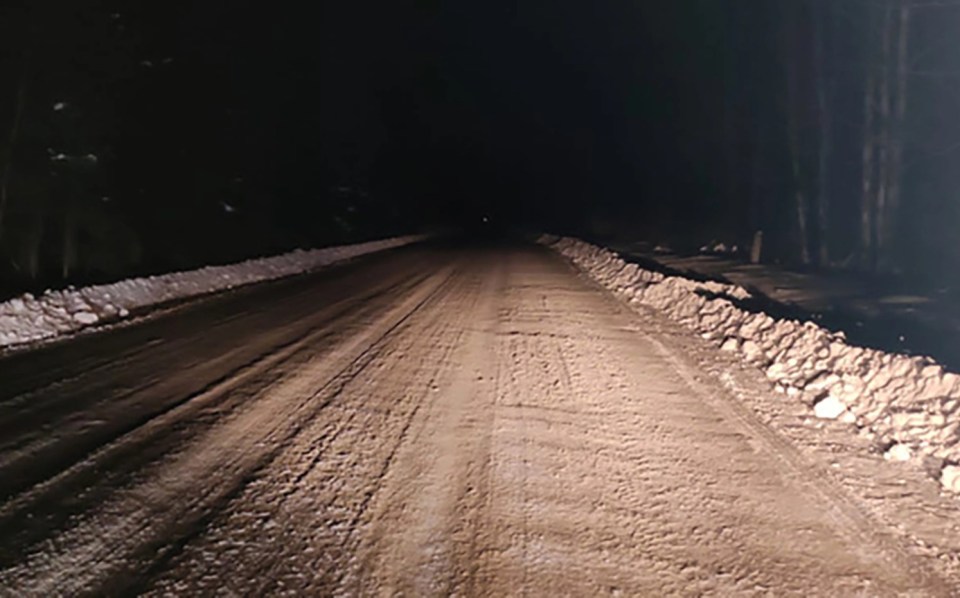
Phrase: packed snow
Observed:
(55, 313)
(910, 404)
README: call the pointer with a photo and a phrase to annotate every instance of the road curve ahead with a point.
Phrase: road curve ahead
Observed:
(432, 421)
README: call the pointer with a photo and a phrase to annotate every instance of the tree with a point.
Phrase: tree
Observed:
(885, 108)
(825, 85)
(10, 153)
(896, 136)
(794, 114)
(56, 166)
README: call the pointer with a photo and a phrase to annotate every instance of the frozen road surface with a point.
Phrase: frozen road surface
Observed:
(431, 421)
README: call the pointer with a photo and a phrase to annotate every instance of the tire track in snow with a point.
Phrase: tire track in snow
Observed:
(99, 548)
(427, 514)
(95, 477)
(321, 515)
(56, 444)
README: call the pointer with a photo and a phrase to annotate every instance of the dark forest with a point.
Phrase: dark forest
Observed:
(146, 137)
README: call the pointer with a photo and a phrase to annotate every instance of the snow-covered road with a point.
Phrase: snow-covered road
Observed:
(437, 421)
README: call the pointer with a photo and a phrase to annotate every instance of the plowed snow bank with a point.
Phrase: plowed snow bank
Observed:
(908, 403)
(55, 313)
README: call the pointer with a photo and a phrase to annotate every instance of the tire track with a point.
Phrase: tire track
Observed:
(52, 504)
(56, 445)
(422, 531)
(157, 508)
(276, 526)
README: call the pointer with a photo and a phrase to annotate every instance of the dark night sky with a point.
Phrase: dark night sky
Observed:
(523, 109)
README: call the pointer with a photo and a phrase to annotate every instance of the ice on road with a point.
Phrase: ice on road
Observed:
(433, 421)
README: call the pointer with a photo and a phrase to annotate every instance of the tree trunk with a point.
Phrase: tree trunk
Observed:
(756, 248)
(12, 140)
(731, 130)
(824, 98)
(895, 172)
(867, 199)
(33, 244)
(803, 212)
(793, 139)
(757, 201)
(883, 158)
(823, 199)
(69, 240)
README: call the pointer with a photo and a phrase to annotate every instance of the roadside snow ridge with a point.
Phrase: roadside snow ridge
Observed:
(910, 403)
(56, 313)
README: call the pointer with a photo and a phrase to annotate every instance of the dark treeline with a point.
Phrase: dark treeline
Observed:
(841, 137)
(141, 137)
(146, 137)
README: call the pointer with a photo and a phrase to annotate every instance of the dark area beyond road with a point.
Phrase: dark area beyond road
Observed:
(436, 420)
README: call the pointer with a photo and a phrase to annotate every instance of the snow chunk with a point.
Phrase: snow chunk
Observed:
(731, 344)
(950, 478)
(751, 351)
(898, 452)
(86, 318)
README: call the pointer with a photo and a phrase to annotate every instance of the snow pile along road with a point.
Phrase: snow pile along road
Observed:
(909, 404)
(55, 313)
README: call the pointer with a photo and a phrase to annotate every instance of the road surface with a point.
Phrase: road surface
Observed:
(431, 421)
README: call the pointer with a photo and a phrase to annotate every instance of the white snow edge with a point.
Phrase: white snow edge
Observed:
(909, 403)
(27, 319)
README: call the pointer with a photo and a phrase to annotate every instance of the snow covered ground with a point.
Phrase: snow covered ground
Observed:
(56, 313)
(909, 404)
